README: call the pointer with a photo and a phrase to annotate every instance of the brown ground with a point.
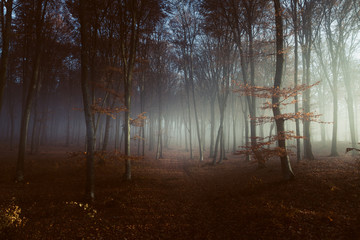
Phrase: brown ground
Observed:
(176, 198)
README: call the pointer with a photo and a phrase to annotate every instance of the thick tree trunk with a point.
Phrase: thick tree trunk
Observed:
(6, 30)
(279, 120)
(307, 29)
(107, 133)
(25, 117)
(90, 132)
(34, 85)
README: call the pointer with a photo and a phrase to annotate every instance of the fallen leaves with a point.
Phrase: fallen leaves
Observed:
(176, 198)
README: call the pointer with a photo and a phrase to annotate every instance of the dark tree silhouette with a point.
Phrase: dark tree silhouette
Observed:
(279, 119)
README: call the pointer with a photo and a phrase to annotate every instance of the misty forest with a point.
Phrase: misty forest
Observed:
(180, 119)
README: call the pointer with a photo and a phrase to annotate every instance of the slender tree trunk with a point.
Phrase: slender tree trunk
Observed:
(33, 134)
(189, 119)
(151, 133)
(234, 125)
(203, 133)
(334, 152)
(142, 109)
(252, 106)
(349, 101)
(308, 154)
(127, 130)
(246, 123)
(212, 126)
(159, 140)
(279, 120)
(12, 123)
(296, 63)
(217, 144)
(201, 157)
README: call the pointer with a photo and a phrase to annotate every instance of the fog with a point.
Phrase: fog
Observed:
(187, 79)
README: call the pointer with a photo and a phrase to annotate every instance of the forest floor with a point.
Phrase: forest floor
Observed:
(176, 198)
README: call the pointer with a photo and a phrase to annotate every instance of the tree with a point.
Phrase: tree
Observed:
(90, 135)
(38, 11)
(5, 35)
(243, 17)
(136, 17)
(310, 15)
(208, 75)
(293, 9)
(187, 27)
(332, 40)
(279, 119)
(222, 70)
(348, 25)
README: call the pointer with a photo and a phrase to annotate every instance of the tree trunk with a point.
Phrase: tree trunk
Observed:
(90, 132)
(159, 140)
(279, 120)
(34, 85)
(189, 119)
(349, 100)
(246, 123)
(212, 126)
(201, 157)
(307, 29)
(107, 132)
(234, 125)
(296, 63)
(127, 130)
(334, 152)
(6, 28)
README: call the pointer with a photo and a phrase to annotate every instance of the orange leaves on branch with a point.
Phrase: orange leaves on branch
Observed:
(270, 92)
(98, 108)
(276, 99)
(137, 137)
(139, 121)
(113, 92)
(311, 116)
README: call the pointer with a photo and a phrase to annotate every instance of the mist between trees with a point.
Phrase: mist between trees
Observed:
(156, 74)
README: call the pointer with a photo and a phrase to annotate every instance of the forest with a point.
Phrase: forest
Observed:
(179, 119)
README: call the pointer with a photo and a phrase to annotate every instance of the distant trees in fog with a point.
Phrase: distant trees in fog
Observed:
(178, 66)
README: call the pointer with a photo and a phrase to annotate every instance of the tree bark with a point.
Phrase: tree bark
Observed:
(296, 63)
(308, 31)
(34, 85)
(90, 132)
(6, 29)
(279, 120)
